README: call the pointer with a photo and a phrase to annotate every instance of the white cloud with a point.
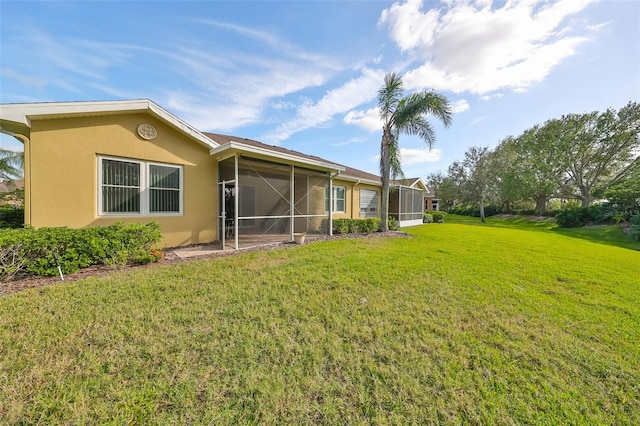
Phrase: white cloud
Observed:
(419, 155)
(25, 80)
(367, 120)
(353, 93)
(460, 106)
(479, 120)
(351, 141)
(466, 45)
(410, 156)
(219, 88)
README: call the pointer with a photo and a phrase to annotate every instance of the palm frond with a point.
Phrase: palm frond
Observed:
(389, 96)
(11, 163)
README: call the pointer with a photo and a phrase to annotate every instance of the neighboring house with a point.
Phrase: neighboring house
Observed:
(7, 191)
(431, 203)
(96, 163)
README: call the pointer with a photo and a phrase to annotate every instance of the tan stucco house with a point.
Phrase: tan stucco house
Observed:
(96, 163)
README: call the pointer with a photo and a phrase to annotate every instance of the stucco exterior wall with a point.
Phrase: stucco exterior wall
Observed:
(352, 198)
(64, 174)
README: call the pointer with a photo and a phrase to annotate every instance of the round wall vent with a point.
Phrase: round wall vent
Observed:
(147, 131)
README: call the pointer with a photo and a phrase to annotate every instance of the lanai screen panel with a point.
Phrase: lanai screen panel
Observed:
(309, 210)
(411, 204)
(264, 194)
(394, 202)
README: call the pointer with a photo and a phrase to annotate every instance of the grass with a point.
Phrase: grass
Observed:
(463, 324)
(604, 234)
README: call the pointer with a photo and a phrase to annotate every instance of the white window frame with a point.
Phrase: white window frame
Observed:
(144, 188)
(334, 198)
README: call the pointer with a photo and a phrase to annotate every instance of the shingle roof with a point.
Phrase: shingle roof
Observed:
(348, 172)
(406, 182)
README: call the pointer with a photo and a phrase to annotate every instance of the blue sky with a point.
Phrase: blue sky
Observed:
(305, 74)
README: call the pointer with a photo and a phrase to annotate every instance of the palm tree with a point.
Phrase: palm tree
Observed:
(404, 114)
(11, 163)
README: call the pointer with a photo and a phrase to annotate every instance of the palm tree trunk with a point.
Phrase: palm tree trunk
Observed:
(385, 161)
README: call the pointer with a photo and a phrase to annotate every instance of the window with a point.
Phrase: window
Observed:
(368, 203)
(338, 199)
(131, 187)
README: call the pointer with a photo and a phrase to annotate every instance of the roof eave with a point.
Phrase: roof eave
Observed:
(237, 147)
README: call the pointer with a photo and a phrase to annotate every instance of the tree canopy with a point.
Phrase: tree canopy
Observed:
(580, 156)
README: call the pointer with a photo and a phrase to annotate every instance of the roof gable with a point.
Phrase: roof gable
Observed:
(17, 117)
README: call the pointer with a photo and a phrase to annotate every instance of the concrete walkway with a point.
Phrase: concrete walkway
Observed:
(201, 250)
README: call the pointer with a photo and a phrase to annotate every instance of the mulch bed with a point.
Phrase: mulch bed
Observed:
(27, 282)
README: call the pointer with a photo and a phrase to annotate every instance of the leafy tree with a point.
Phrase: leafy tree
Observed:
(445, 189)
(536, 164)
(11, 163)
(596, 150)
(404, 114)
(624, 194)
(506, 173)
(475, 176)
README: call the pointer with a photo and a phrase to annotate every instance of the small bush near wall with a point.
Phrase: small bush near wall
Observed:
(393, 224)
(31, 251)
(11, 217)
(355, 226)
(427, 218)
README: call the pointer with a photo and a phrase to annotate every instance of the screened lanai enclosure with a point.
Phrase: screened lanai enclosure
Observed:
(406, 205)
(263, 202)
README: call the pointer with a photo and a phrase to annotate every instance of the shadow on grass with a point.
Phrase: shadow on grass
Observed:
(611, 235)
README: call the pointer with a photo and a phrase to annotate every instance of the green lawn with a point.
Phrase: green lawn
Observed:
(502, 323)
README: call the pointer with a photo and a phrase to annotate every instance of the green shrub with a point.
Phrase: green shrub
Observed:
(341, 226)
(11, 217)
(635, 226)
(32, 251)
(393, 224)
(592, 215)
(427, 218)
(570, 218)
(370, 225)
(355, 226)
(438, 217)
(12, 253)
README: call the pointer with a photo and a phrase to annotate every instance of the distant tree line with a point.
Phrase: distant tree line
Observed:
(580, 157)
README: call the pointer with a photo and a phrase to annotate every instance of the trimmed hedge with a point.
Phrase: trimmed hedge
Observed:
(31, 251)
(11, 217)
(427, 218)
(355, 226)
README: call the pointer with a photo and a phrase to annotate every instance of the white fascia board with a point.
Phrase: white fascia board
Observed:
(420, 182)
(359, 180)
(240, 147)
(406, 186)
(23, 113)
